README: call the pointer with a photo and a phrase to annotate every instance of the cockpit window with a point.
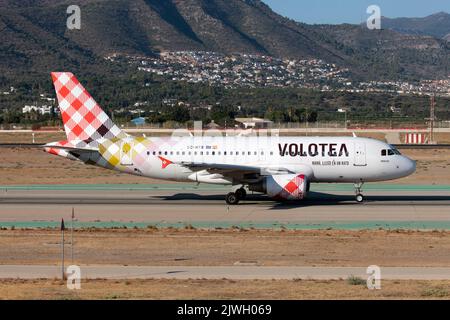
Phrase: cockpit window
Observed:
(395, 150)
(390, 152)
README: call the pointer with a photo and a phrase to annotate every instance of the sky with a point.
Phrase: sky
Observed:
(353, 11)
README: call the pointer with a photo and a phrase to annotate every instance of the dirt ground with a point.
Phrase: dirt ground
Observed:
(45, 137)
(34, 166)
(187, 247)
(222, 289)
(227, 247)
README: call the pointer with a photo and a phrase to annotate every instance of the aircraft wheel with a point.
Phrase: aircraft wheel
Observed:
(232, 198)
(359, 198)
(241, 193)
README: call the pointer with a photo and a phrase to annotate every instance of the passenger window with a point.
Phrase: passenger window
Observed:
(213, 153)
(383, 152)
(154, 153)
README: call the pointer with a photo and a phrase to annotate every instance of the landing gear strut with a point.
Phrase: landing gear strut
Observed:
(241, 193)
(233, 198)
(358, 192)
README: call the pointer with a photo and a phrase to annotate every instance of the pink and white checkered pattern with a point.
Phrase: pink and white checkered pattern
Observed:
(287, 186)
(83, 118)
(294, 187)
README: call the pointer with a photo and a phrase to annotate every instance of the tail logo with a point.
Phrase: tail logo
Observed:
(82, 116)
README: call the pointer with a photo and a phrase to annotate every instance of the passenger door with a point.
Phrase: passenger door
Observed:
(360, 154)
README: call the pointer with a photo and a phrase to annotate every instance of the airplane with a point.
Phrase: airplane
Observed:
(281, 167)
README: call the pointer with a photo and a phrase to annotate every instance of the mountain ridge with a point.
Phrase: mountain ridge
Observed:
(436, 25)
(36, 39)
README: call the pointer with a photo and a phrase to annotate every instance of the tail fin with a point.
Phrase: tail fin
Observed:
(83, 118)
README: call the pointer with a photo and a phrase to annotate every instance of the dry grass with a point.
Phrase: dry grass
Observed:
(221, 289)
(225, 247)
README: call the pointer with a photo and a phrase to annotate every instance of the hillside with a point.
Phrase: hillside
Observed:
(35, 39)
(436, 25)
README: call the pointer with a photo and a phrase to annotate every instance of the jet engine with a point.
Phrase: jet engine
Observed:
(283, 186)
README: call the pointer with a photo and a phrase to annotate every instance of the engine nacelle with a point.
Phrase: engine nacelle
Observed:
(283, 186)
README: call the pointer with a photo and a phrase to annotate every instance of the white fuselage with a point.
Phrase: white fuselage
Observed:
(322, 159)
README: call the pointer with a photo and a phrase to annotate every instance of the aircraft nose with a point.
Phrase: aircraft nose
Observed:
(409, 166)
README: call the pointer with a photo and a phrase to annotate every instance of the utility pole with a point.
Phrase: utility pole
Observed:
(345, 112)
(71, 231)
(306, 119)
(432, 118)
(62, 249)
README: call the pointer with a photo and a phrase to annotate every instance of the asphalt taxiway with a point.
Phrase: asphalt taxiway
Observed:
(187, 205)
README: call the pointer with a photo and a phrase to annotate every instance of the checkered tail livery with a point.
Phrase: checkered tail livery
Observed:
(83, 118)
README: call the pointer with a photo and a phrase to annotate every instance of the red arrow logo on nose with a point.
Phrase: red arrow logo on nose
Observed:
(164, 162)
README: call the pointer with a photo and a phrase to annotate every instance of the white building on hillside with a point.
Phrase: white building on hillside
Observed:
(41, 110)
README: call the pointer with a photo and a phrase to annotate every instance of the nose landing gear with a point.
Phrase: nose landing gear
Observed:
(359, 196)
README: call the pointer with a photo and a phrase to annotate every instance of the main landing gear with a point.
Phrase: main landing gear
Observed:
(359, 196)
(233, 198)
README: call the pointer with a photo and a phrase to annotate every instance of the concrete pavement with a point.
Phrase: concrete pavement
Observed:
(187, 206)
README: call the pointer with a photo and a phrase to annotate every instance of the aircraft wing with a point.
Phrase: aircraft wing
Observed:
(219, 167)
(237, 172)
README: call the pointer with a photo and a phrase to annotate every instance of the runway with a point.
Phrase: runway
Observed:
(224, 272)
(184, 205)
